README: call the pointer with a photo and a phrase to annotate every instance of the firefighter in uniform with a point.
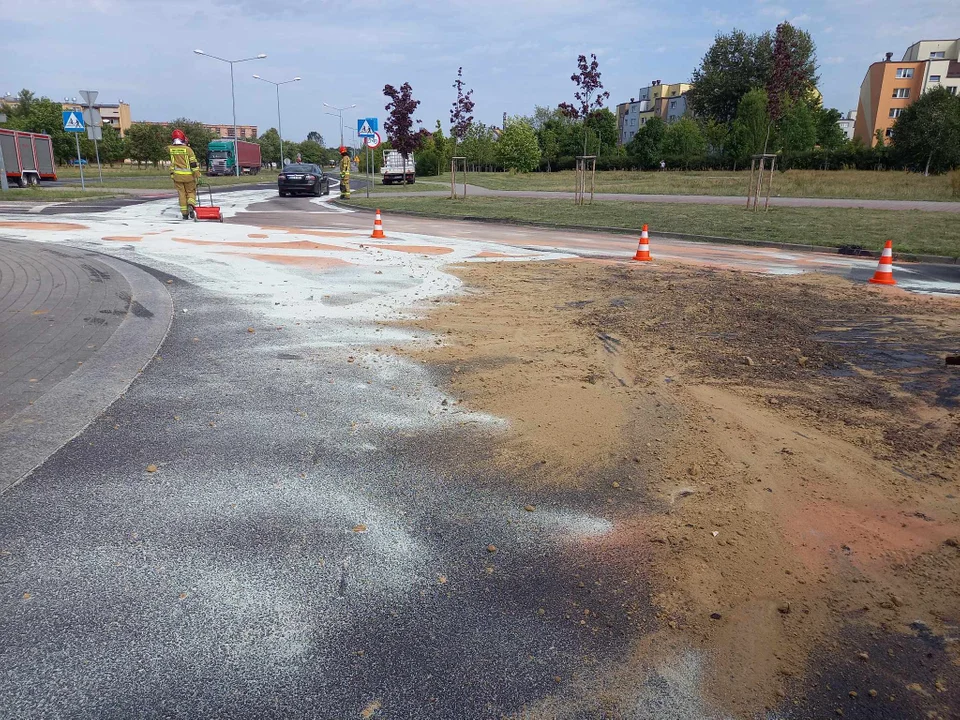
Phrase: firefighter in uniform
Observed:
(185, 172)
(344, 173)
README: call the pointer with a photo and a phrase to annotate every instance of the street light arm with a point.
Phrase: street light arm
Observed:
(217, 57)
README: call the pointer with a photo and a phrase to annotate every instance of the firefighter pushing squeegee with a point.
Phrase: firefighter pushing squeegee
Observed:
(185, 172)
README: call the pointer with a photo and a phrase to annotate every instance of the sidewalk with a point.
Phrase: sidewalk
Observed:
(75, 328)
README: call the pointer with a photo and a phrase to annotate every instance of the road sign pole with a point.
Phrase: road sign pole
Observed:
(83, 185)
(99, 168)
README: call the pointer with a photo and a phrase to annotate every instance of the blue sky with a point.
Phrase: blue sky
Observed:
(515, 54)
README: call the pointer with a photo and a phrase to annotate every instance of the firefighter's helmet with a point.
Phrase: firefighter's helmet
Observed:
(178, 135)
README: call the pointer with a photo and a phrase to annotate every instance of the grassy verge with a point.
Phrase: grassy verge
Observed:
(42, 194)
(858, 184)
(931, 233)
(163, 182)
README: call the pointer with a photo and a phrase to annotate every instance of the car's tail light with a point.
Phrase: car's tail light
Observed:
(311, 177)
(281, 177)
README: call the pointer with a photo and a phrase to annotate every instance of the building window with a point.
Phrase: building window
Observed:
(952, 89)
(936, 55)
(934, 78)
(895, 112)
(901, 92)
(889, 132)
(673, 104)
(643, 121)
(904, 72)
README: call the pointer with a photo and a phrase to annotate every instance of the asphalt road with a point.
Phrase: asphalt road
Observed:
(314, 538)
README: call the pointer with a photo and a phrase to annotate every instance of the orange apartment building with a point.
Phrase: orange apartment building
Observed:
(890, 86)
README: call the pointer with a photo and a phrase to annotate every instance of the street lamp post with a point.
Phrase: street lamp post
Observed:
(233, 97)
(279, 121)
(339, 113)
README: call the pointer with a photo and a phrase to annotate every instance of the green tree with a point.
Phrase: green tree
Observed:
(752, 128)
(717, 137)
(270, 146)
(314, 136)
(113, 148)
(478, 146)
(148, 143)
(602, 126)
(830, 135)
(683, 143)
(311, 151)
(927, 134)
(734, 64)
(443, 147)
(798, 129)
(646, 147)
(517, 149)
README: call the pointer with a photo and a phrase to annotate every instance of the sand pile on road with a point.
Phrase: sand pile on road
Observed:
(796, 441)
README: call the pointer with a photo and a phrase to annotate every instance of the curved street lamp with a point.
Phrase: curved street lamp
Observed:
(233, 97)
(279, 121)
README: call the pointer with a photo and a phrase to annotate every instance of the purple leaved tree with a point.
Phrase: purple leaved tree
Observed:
(399, 124)
(461, 112)
(589, 95)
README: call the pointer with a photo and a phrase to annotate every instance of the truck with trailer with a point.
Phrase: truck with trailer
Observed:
(27, 157)
(394, 167)
(222, 160)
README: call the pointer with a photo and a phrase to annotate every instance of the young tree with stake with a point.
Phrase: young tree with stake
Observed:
(589, 95)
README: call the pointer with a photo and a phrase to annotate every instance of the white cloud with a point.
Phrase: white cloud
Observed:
(800, 19)
(835, 60)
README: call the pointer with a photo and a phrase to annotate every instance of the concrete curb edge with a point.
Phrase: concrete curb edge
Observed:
(60, 415)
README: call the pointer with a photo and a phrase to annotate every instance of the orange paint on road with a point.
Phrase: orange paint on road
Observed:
(306, 231)
(257, 235)
(293, 245)
(302, 261)
(415, 249)
(41, 225)
(488, 254)
(123, 238)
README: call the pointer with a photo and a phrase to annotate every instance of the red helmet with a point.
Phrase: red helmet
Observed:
(343, 150)
(178, 135)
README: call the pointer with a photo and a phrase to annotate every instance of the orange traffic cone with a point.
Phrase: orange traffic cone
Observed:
(884, 273)
(378, 226)
(643, 249)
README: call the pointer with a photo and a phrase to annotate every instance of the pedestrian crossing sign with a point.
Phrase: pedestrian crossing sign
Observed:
(73, 121)
(367, 127)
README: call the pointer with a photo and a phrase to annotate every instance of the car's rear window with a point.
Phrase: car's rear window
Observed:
(298, 169)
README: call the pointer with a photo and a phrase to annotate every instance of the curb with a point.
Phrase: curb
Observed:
(37, 432)
(792, 247)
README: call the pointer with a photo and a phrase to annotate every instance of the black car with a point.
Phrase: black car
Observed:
(303, 178)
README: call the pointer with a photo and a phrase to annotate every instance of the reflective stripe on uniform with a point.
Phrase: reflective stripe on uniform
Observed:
(182, 160)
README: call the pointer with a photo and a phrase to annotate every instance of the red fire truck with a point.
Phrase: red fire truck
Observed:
(27, 157)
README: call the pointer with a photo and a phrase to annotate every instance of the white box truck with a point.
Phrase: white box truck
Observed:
(394, 167)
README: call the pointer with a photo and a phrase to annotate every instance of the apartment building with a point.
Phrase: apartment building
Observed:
(847, 124)
(244, 132)
(890, 86)
(667, 102)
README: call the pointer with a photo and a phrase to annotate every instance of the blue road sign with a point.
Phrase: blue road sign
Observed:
(73, 121)
(367, 127)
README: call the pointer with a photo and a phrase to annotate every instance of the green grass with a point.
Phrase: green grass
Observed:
(71, 171)
(42, 194)
(858, 184)
(163, 182)
(934, 233)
